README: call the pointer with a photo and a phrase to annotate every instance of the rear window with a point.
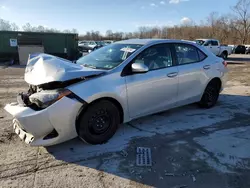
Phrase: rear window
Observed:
(187, 54)
(202, 55)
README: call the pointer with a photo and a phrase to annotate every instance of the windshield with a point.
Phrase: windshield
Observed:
(200, 42)
(108, 57)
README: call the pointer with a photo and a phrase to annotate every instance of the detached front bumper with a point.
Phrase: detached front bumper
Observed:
(37, 128)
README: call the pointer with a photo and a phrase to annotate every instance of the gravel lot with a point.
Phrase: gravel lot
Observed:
(190, 147)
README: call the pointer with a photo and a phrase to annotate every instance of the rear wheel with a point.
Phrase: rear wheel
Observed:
(99, 122)
(210, 95)
(224, 55)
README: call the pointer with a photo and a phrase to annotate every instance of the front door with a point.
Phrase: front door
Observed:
(155, 90)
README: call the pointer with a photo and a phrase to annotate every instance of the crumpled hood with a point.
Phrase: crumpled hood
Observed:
(44, 68)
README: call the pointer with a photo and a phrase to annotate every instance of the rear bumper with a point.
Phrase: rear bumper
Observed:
(33, 126)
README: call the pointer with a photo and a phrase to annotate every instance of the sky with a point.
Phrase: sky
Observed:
(116, 15)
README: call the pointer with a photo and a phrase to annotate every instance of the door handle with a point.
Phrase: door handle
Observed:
(172, 74)
(206, 67)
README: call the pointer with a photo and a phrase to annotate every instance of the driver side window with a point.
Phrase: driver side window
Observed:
(155, 57)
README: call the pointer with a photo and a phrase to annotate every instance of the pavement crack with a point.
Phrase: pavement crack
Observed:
(36, 167)
(140, 129)
(100, 164)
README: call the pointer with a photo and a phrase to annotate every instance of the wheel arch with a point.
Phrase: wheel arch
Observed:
(215, 80)
(85, 107)
(225, 51)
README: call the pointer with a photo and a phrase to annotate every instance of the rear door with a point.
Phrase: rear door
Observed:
(191, 71)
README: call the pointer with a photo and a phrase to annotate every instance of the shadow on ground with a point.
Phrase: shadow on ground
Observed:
(237, 60)
(188, 147)
(6, 65)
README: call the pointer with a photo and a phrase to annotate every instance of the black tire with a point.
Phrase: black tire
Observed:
(99, 122)
(210, 95)
(224, 55)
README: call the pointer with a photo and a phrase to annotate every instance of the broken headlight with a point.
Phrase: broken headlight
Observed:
(45, 98)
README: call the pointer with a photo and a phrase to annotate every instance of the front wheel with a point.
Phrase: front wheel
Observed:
(99, 122)
(210, 95)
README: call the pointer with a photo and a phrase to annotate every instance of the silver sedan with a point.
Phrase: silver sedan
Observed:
(112, 85)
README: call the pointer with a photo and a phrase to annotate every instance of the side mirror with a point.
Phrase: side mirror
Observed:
(138, 67)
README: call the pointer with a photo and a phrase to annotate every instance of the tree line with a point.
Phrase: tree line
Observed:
(232, 28)
(11, 26)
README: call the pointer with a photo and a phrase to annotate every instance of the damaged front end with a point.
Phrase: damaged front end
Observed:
(48, 76)
(41, 96)
(45, 115)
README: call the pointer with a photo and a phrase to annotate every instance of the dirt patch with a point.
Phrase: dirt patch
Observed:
(7, 135)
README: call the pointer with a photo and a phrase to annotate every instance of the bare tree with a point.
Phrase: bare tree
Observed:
(40, 28)
(27, 27)
(74, 30)
(242, 19)
(109, 34)
(14, 27)
(8, 26)
(5, 25)
(66, 31)
(212, 22)
(164, 32)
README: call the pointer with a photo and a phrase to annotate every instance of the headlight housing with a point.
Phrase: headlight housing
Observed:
(45, 98)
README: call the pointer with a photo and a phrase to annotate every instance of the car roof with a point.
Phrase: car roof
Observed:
(149, 41)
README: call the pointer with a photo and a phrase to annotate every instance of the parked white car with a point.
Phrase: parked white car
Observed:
(91, 44)
(215, 47)
(110, 86)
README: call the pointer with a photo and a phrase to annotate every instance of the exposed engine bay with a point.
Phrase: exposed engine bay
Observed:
(41, 96)
(48, 76)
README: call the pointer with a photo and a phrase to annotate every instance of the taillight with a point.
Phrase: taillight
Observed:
(224, 63)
